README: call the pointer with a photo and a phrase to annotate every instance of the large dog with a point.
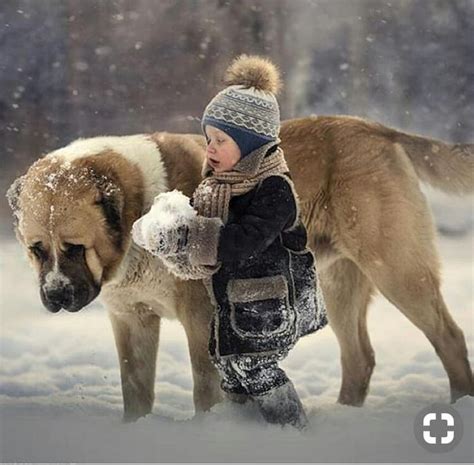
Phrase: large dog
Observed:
(367, 220)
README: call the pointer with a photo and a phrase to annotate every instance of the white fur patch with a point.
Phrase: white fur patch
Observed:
(55, 279)
(139, 149)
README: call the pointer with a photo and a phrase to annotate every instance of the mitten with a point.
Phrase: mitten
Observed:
(162, 230)
(170, 241)
(160, 240)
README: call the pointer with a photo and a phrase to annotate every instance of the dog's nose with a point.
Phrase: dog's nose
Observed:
(60, 297)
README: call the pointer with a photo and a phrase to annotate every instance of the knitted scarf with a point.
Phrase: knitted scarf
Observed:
(212, 196)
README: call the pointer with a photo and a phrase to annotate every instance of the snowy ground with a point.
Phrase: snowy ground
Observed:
(60, 396)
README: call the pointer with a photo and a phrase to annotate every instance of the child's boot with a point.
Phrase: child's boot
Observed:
(282, 405)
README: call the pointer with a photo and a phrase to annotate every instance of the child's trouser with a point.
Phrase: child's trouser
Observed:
(260, 378)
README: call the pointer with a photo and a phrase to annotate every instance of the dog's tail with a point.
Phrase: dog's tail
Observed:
(449, 167)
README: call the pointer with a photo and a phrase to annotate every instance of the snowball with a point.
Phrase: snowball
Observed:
(169, 211)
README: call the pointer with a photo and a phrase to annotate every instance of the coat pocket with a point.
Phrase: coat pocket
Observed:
(260, 307)
(309, 300)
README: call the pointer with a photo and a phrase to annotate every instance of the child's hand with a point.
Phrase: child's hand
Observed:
(160, 240)
(163, 230)
(171, 241)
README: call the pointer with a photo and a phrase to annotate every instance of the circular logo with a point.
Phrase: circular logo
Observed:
(438, 428)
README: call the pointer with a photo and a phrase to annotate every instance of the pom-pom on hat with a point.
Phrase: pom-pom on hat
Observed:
(247, 110)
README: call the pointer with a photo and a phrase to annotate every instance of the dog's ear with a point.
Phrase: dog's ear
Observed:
(111, 199)
(13, 196)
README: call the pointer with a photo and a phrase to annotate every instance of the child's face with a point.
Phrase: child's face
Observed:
(222, 151)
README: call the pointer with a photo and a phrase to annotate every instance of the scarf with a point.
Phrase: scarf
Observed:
(212, 196)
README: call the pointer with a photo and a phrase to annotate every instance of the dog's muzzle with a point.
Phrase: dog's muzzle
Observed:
(58, 298)
(68, 297)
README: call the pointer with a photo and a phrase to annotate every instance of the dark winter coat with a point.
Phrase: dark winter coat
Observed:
(266, 291)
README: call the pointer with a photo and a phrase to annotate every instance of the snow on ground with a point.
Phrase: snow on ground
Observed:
(60, 397)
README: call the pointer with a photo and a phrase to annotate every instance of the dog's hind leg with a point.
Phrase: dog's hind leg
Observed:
(414, 288)
(347, 293)
(383, 222)
(136, 331)
(402, 261)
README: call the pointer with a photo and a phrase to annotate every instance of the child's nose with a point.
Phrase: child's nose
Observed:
(211, 148)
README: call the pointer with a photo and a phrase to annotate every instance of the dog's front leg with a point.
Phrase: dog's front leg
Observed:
(136, 330)
(195, 316)
(206, 391)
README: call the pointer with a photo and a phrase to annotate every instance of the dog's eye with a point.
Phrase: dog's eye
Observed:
(73, 250)
(38, 251)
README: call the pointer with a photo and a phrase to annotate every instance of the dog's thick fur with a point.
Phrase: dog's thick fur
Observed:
(367, 220)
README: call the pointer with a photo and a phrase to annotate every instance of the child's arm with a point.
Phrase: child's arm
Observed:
(271, 210)
(172, 227)
(208, 241)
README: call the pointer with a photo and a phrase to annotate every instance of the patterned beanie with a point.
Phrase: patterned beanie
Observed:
(247, 109)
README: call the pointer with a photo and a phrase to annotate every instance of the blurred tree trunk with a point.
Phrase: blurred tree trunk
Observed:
(360, 71)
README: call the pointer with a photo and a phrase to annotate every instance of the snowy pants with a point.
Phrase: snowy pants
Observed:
(260, 378)
(251, 374)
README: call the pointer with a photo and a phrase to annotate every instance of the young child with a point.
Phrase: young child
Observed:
(249, 244)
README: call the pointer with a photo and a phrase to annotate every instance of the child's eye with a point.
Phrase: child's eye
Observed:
(220, 141)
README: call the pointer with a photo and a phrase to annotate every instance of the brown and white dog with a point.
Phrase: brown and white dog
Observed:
(367, 220)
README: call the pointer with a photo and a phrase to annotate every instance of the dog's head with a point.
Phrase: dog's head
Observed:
(74, 220)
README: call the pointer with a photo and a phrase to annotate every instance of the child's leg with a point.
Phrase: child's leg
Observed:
(230, 383)
(269, 386)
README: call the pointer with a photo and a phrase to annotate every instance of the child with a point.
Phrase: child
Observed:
(249, 243)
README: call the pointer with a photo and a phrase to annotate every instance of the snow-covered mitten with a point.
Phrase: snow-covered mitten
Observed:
(161, 241)
(163, 230)
(282, 405)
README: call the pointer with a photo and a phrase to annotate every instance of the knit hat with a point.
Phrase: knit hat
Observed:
(247, 109)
